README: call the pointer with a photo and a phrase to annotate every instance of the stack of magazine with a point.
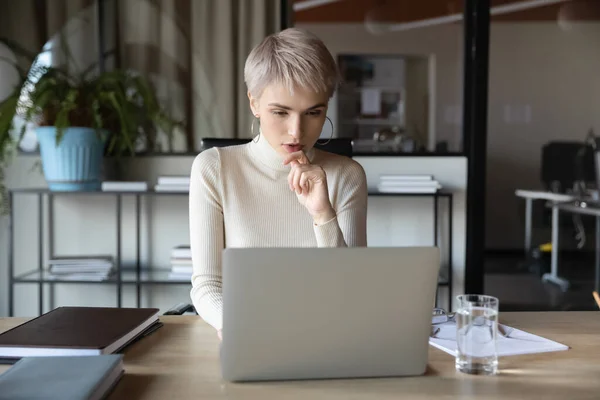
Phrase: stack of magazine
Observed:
(181, 263)
(92, 268)
(408, 184)
(172, 184)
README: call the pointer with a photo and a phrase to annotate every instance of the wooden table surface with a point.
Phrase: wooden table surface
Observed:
(180, 361)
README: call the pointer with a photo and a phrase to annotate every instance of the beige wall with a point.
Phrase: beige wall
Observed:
(417, 98)
(544, 85)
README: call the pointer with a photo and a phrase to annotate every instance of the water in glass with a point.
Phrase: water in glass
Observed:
(476, 331)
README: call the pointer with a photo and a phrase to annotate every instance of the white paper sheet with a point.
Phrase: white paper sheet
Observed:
(518, 342)
(370, 102)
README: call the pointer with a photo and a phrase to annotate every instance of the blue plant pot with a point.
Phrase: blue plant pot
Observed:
(76, 163)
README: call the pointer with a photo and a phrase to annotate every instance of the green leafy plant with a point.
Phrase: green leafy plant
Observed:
(120, 102)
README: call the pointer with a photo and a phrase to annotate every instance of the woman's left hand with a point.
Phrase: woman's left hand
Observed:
(310, 184)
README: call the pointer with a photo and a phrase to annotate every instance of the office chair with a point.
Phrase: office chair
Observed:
(568, 167)
(341, 146)
(565, 163)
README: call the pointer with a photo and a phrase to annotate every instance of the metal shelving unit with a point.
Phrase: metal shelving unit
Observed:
(137, 275)
(444, 280)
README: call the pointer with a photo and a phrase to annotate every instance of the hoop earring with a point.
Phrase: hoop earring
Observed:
(330, 137)
(252, 129)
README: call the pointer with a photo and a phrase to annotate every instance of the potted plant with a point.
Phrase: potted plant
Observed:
(80, 116)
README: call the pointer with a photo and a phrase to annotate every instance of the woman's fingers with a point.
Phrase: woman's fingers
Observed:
(292, 173)
(298, 157)
(297, 175)
(291, 177)
(304, 182)
(300, 176)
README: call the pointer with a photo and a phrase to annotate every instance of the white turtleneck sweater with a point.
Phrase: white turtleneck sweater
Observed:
(239, 197)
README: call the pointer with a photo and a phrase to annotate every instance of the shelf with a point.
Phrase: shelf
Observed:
(96, 192)
(152, 193)
(373, 121)
(152, 276)
(439, 194)
(148, 275)
(128, 277)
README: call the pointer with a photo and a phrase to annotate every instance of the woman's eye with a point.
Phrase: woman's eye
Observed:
(314, 113)
(279, 113)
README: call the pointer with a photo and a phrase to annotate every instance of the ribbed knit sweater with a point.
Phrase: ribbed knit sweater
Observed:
(239, 197)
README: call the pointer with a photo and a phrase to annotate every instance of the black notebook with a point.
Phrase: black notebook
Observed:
(77, 331)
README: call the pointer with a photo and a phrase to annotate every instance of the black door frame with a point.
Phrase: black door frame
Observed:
(475, 110)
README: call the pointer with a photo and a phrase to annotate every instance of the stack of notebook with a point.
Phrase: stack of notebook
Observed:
(408, 184)
(81, 268)
(67, 353)
(181, 263)
(172, 184)
(124, 186)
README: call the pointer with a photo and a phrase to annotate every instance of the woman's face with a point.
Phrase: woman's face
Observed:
(289, 122)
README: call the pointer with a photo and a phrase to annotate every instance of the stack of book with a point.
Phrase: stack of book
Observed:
(124, 186)
(98, 268)
(71, 352)
(172, 184)
(408, 184)
(181, 263)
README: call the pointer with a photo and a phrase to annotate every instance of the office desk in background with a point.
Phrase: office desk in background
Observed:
(584, 209)
(565, 203)
(180, 361)
(555, 200)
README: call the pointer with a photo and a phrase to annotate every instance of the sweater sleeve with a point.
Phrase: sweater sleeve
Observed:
(206, 237)
(349, 227)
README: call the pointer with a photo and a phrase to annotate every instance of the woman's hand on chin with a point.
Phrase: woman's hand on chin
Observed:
(309, 181)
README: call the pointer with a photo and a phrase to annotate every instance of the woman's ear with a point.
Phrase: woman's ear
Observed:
(253, 104)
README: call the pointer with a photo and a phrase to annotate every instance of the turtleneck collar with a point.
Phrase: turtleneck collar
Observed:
(268, 156)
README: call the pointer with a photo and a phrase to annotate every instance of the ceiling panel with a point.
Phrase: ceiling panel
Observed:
(398, 11)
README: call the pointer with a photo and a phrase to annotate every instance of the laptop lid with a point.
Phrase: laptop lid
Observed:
(314, 313)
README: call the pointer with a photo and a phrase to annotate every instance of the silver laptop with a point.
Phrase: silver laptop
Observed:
(316, 313)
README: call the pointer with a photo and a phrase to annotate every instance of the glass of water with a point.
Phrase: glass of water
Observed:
(476, 332)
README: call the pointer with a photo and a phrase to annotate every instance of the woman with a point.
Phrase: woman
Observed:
(277, 190)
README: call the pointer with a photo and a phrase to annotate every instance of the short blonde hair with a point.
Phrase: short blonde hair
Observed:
(292, 57)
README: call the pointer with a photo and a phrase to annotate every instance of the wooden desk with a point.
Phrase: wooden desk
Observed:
(180, 361)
